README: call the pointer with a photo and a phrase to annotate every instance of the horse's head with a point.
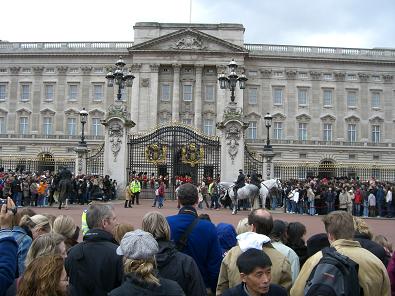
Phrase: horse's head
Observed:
(278, 184)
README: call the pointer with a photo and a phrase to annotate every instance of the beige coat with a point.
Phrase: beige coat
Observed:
(229, 275)
(372, 274)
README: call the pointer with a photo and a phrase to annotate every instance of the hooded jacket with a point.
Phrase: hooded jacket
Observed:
(229, 275)
(132, 285)
(176, 266)
(93, 266)
(372, 274)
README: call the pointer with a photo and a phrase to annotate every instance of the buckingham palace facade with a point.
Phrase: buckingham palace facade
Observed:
(329, 105)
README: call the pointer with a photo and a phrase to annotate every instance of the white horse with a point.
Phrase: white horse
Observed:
(249, 191)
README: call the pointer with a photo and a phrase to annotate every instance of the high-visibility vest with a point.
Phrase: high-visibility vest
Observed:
(135, 186)
(84, 224)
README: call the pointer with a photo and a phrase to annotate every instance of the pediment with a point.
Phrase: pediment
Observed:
(303, 117)
(279, 116)
(352, 118)
(71, 111)
(24, 110)
(3, 111)
(97, 111)
(253, 115)
(376, 119)
(47, 111)
(187, 40)
(328, 117)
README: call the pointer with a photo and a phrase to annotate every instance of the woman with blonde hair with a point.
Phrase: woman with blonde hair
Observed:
(243, 226)
(38, 224)
(45, 276)
(65, 226)
(139, 249)
(46, 244)
(171, 263)
(120, 230)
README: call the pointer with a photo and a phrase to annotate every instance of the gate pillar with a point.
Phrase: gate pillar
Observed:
(117, 125)
(80, 165)
(268, 166)
(232, 142)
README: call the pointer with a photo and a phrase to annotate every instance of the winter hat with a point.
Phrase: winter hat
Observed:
(138, 244)
(226, 236)
(316, 243)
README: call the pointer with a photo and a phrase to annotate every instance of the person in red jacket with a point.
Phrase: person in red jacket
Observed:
(357, 202)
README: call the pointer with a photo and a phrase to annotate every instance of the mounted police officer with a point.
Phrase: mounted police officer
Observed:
(255, 179)
(240, 182)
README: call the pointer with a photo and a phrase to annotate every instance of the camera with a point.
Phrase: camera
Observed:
(3, 201)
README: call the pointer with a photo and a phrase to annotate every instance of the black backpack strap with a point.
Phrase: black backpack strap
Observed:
(182, 242)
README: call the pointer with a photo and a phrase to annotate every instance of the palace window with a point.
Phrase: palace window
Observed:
(251, 130)
(252, 95)
(2, 125)
(165, 92)
(25, 92)
(376, 99)
(351, 99)
(47, 125)
(209, 93)
(73, 92)
(187, 92)
(328, 97)
(278, 95)
(208, 127)
(302, 131)
(302, 96)
(23, 125)
(375, 133)
(71, 126)
(96, 128)
(3, 91)
(352, 132)
(49, 92)
(327, 136)
(277, 130)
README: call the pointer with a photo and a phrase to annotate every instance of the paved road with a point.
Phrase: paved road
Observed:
(134, 216)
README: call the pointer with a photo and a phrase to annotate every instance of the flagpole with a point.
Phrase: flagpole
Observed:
(190, 11)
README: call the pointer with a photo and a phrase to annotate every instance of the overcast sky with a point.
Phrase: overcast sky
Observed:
(341, 23)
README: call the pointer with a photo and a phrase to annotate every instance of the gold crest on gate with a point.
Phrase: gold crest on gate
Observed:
(156, 153)
(192, 154)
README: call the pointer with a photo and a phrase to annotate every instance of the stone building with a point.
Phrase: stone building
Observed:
(333, 108)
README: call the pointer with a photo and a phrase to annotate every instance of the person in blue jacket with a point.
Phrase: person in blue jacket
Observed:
(8, 249)
(202, 243)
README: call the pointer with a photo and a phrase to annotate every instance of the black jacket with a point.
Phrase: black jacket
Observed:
(274, 290)
(372, 246)
(179, 267)
(93, 266)
(241, 180)
(134, 286)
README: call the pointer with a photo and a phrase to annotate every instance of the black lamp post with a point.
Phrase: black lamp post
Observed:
(230, 81)
(83, 120)
(120, 76)
(268, 123)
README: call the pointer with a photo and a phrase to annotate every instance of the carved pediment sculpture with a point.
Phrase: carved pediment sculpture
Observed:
(188, 42)
(115, 133)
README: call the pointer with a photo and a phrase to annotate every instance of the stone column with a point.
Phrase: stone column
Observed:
(37, 98)
(198, 97)
(117, 125)
(153, 98)
(12, 123)
(175, 110)
(134, 104)
(220, 96)
(80, 161)
(61, 98)
(232, 142)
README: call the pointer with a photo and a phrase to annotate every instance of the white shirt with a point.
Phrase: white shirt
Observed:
(388, 197)
(291, 256)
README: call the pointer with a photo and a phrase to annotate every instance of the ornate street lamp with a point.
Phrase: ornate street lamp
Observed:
(83, 120)
(230, 81)
(120, 77)
(268, 123)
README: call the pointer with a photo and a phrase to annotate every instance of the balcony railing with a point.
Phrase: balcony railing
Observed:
(63, 46)
(320, 143)
(55, 137)
(322, 51)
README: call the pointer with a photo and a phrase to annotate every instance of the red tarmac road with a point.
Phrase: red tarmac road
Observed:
(134, 216)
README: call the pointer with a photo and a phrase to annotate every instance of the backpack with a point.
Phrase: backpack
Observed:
(334, 275)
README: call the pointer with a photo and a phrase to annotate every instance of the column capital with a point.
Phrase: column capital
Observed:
(62, 69)
(86, 69)
(176, 67)
(15, 70)
(340, 76)
(135, 67)
(221, 68)
(199, 67)
(364, 77)
(38, 70)
(154, 67)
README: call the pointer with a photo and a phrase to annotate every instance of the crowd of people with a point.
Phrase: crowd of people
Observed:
(182, 254)
(42, 190)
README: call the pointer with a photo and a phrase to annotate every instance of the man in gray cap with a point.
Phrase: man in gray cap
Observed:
(139, 249)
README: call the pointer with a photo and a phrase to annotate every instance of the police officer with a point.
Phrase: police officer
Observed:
(255, 179)
(240, 182)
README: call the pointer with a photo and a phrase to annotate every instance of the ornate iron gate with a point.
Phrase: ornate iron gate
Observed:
(251, 162)
(174, 150)
(95, 161)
